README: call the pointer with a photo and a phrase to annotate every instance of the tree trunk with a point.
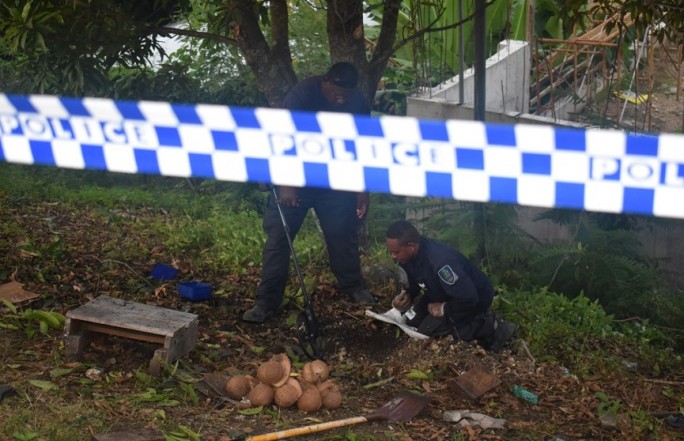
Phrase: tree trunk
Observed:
(271, 65)
(347, 42)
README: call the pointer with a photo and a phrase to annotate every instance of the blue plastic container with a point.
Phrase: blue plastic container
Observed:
(194, 291)
(163, 272)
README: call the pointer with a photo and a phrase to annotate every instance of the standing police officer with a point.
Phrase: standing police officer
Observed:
(338, 212)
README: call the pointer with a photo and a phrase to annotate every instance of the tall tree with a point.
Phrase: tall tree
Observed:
(69, 46)
(261, 31)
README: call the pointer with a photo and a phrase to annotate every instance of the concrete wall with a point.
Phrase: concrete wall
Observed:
(440, 109)
(662, 242)
(507, 82)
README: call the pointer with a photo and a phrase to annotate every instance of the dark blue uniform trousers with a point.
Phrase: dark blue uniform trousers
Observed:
(336, 212)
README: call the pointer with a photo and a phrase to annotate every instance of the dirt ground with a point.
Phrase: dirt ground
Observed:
(371, 361)
(667, 108)
(663, 112)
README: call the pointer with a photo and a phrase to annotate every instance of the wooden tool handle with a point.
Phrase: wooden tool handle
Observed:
(306, 430)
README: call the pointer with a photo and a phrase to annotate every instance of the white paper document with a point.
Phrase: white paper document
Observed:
(395, 317)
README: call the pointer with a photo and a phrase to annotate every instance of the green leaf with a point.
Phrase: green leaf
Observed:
(416, 374)
(25, 12)
(251, 410)
(25, 436)
(555, 27)
(519, 20)
(378, 383)
(60, 372)
(43, 384)
(9, 305)
(189, 432)
(44, 328)
(257, 349)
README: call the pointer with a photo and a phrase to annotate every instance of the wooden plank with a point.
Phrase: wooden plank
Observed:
(175, 330)
(14, 292)
(138, 316)
(122, 332)
(183, 340)
(74, 344)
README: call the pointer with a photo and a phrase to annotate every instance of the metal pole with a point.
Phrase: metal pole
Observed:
(461, 55)
(480, 64)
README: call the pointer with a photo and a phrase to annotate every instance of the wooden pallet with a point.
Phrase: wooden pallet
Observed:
(176, 331)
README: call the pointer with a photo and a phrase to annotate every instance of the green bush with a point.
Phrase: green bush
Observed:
(579, 334)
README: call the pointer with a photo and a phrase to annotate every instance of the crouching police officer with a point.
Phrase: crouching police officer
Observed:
(446, 293)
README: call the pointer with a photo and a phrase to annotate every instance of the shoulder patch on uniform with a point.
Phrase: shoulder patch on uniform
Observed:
(447, 275)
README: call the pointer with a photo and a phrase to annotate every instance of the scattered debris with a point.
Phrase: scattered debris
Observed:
(609, 421)
(194, 291)
(476, 382)
(632, 97)
(14, 293)
(163, 272)
(6, 391)
(474, 419)
(525, 394)
(130, 435)
(675, 421)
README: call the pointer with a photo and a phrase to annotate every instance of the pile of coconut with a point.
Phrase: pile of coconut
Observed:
(276, 382)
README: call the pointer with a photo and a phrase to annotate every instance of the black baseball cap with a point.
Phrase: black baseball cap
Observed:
(343, 75)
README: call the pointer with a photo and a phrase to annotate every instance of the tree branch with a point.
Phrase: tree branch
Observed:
(280, 29)
(167, 31)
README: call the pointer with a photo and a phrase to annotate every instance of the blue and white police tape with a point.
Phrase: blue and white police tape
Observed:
(542, 166)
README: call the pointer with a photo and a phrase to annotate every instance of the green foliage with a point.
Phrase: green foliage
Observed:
(579, 334)
(557, 19)
(151, 395)
(58, 422)
(606, 406)
(519, 24)
(604, 260)
(644, 15)
(353, 436)
(554, 323)
(210, 73)
(182, 433)
(227, 242)
(194, 197)
(643, 422)
(30, 321)
(25, 436)
(64, 48)
(436, 53)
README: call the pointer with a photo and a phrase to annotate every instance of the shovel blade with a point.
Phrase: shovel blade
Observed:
(402, 407)
(476, 382)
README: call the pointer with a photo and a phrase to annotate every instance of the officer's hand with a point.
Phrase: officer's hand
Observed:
(287, 196)
(362, 203)
(436, 309)
(401, 301)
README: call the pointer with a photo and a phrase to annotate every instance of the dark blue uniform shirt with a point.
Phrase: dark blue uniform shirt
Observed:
(307, 96)
(445, 275)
